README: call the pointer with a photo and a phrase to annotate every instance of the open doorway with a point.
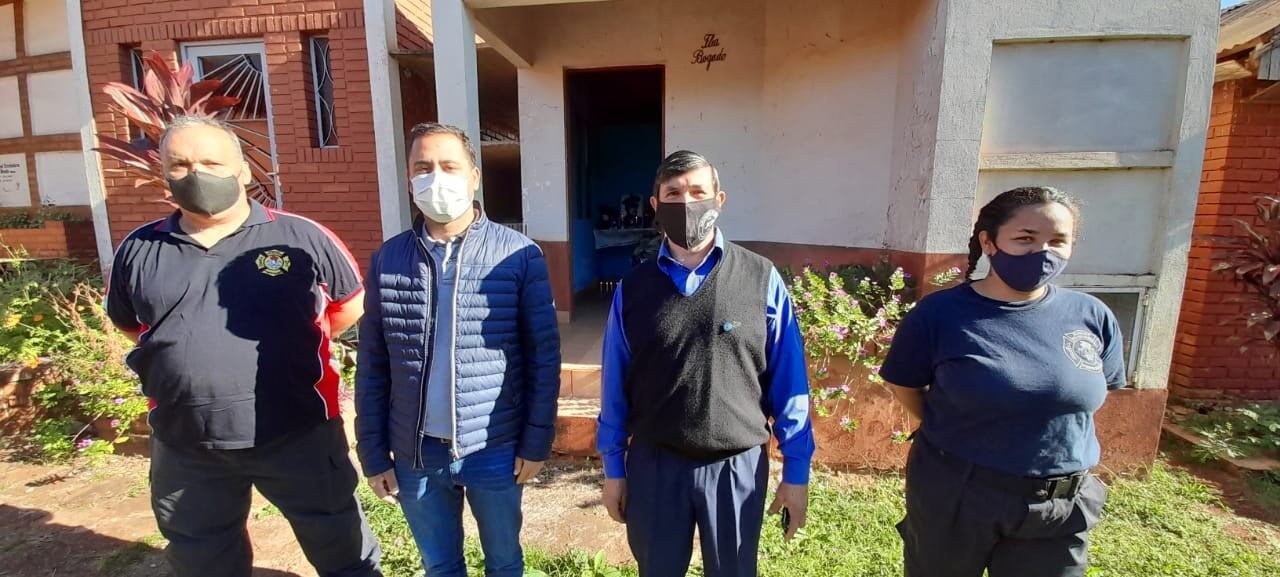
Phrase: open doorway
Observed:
(615, 142)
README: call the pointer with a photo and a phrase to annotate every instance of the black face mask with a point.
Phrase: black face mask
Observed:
(204, 193)
(688, 224)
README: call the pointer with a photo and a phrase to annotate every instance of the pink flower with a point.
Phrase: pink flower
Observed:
(845, 388)
(875, 369)
(884, 323)
(83, 444)
(845, 421)
(118, 401)
(115, 423)
(840, 293)
(808, 296)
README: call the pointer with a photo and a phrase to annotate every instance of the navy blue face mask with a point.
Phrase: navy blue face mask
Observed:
(1027, 272)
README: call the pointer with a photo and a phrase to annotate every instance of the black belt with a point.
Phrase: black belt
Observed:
(1061, 487)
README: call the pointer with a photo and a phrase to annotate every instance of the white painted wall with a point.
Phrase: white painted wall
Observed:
(801, 109)
(8, 33)
(1114, 95)
(830, 94)
(61, 178)
(915, 124)
(15, 190)
(53, 102)
(44, 25)
(974, 27)
(1119, 212)
(10, 108)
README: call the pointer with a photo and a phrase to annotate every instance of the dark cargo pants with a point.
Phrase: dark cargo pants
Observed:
(956, 526)
(201, 500)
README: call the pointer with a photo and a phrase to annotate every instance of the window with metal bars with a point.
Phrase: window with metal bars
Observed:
(322, 87)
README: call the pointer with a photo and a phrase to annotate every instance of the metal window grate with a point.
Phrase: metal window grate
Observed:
(241, 76)
(322, 86)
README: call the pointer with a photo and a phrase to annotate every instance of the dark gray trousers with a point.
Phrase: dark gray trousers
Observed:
(201, 500)
(668, 495)
(957, 527)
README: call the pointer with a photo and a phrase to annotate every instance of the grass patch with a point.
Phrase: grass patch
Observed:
(1265, 490)
(1168, 525)
(121, 561)
(266, 512)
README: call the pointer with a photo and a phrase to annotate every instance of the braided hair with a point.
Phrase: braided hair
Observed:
(1001, 209)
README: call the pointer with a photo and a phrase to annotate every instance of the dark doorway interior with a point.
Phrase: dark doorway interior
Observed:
(615, 142)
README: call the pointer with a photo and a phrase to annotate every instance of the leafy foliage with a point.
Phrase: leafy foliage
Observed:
(29, 327)
(1255, 266)
(167, 94)
(852, 312)
(1236, 432)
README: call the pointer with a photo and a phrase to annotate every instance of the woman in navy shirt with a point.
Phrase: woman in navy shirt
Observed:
(1005, 374)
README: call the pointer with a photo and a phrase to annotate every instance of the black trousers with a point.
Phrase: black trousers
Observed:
(201, 500)
(957, 527)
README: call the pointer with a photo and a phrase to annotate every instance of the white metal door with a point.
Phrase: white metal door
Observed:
(242, 68)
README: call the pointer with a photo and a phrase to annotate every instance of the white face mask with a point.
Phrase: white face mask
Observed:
(441, 196)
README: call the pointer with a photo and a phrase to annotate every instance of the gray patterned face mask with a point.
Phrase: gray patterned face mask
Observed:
(688, 224)
(204, 193)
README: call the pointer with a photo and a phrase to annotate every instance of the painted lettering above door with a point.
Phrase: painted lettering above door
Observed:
(708, 53)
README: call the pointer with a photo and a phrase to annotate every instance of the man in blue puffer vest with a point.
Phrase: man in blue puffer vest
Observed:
(459, 365)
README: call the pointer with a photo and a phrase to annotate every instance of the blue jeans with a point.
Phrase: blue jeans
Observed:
(431, 499)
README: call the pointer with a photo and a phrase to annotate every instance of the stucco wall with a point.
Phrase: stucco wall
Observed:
(1168, 68)
(802, 108)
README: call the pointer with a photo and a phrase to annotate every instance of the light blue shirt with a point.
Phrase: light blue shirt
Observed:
(440, 381)
(787, 375)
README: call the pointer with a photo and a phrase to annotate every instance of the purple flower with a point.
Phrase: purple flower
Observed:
(845, 421)
(875, 369)
(808, 296)
(862, 352)
(115, 423)
(884, 323)
(826, 263)
(897, 298)
(845, 388)
(840, 293)
(83, 444)
(118, 401)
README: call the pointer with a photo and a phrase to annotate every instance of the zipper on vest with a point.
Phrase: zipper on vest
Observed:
(453, 351)
(426, 354)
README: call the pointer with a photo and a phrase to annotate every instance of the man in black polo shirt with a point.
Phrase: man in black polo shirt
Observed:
(232, 306)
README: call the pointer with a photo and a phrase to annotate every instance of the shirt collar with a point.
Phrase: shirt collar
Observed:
(258, 214)
(664, 252)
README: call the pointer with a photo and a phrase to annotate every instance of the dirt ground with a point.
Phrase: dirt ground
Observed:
(75, 521)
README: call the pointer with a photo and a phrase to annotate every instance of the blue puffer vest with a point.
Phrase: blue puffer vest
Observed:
(506, 351)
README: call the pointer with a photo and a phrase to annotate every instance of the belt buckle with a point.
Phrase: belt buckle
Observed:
(1053, 489)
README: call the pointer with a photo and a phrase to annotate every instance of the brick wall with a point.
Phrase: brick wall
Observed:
(335, 186)
(55, 239)
(1242, 161)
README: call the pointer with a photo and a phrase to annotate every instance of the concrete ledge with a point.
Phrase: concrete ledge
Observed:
(1076, 160)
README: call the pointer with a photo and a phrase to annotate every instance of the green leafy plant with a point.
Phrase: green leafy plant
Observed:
(1254, 265)
(29, 327)
(36, 219)
(1236, 432)
(851, 312)
(168, 93)
(90, 382)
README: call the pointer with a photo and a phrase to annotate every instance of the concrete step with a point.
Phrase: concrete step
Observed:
(576, 427)
(579, 381)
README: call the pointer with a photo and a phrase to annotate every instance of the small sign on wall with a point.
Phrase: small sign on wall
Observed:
(710, 52)
(14, 187)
